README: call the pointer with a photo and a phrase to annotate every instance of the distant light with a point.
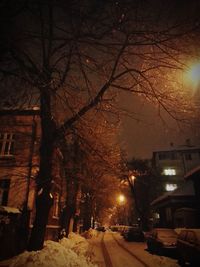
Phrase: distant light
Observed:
(133, 177)
(169, 172)
(157, 215)
(121, 198)
(36, 108)
(170, 187)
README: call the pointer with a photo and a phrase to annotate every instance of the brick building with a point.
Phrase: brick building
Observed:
(19, 163)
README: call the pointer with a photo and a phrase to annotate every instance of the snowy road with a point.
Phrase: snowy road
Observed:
(117, 255)
(110, 250)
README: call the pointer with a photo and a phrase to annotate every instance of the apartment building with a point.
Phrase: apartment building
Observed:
(173, 164)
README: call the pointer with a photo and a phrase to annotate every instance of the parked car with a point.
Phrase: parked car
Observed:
(101, 228)
(134, 234)
(188, 246)
(162, 240)
(124, 230)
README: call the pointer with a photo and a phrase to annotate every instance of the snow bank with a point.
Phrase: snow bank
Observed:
(69, 252)
(90, 233)
(163, 261)
(75, 242)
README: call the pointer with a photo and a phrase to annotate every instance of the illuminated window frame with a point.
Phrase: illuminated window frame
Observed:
(169, 172)
(170, 187)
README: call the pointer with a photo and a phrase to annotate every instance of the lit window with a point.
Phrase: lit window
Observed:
(6, 144)
(169, 172)
(56, 205)
(170, 187)
(157, 215)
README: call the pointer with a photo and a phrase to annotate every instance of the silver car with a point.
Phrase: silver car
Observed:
(162, 240)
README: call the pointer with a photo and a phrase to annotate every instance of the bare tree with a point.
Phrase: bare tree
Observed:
(144, 186)
(69, 54)
(100, 162)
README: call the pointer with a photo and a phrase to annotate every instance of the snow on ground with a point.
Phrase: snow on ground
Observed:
(140, 250)
(68, 252)
(91, 233)
(74, 252)
(137, 248)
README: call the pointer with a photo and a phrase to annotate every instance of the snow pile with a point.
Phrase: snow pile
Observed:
(90, 233)
(178, 230)
(75, 242)
(54, 254)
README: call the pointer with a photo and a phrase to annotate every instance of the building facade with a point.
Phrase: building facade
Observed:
(177, 205)
(20, 134)
(172, 165)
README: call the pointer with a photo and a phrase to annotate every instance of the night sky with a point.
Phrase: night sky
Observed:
(147, 132)
(151, 133)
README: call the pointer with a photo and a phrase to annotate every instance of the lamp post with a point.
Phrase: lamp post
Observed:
(121, 199)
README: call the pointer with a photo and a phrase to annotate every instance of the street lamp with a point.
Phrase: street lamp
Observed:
(122, 209)
(193, 74)
(121, 199)
(132, 178)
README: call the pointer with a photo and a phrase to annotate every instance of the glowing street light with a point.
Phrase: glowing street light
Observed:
(193, 74)
(121, 199)
(133, 178)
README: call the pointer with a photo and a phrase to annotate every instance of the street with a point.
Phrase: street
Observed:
(109, 249)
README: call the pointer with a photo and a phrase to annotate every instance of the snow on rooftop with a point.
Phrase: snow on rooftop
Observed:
(187, 189)
(9, 209)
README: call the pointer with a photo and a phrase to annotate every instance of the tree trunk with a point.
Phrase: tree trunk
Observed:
(43, 205)
(43, 199)
(87, 214)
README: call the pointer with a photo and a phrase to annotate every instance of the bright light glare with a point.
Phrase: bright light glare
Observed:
(169, 172)
(133, 177)
(170, 187)
(121, 198)
(193, 74)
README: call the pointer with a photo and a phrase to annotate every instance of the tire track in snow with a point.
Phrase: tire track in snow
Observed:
(106, 255)
(130, 252)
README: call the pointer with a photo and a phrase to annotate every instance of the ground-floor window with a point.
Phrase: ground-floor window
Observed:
(4, 190)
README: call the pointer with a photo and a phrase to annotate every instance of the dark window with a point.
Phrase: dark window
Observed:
(4, 189)
(188, 156)
(173, 156)
(6, 144)
(167, 155)
(162, 156)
